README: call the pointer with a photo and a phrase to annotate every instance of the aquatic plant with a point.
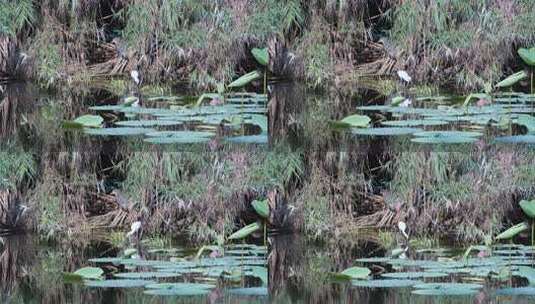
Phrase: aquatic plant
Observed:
(528, 55)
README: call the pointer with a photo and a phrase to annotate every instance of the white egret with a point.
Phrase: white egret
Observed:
(406, 103)
(135, 230)
(403, 228)
(403, 75)
(135, 76)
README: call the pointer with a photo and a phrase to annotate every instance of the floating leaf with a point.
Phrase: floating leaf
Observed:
(355, 273)
(177, 292)
(528, 273)
(511, 80)
(181, 134)
(386, 131)
(146, 275)
(245, 79)
(354, 121)
(119, 283)
(447, 286)
(261, 273)
(118, 131)
(527, 121)
(388, 283)
(179, 286)
(445, 292)
(414, 275)
(86, 273)
(148, 123)
(261, 55)
(513, 231)
(87, 121)
(447, 134)
(245, 231)
(444, 140)
(261, 207)
(414, 123)
(528, 207)
(176, 140)
(528, 55)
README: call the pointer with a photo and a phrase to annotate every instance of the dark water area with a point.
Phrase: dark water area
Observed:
(299, 270)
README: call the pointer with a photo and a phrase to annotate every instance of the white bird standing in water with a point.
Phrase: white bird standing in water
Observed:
(403, 228)
(135, 231)
(403, 75)
(135, 76)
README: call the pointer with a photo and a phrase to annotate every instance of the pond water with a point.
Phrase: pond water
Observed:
(288, 269)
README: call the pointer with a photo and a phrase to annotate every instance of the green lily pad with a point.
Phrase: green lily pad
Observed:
(176, 140)
(245, 231)
(177, 292)
(118, 131)
(444, 140)
(107, 108)
(386, 131)
(89, 121)
(448, 286)
(447, 134)
(528, 207)
(179, 286)
(512, 79)
(374, 260)
(119, 283)
(181, 134)
(528, 273)
(528, 55)
(354, 121)
(355, 273)
(261, 55)
(445, 292)
(388, 283)
(146, 275)
(85, 273)
(414, 123)
(513, 231)
(414, 275)
(148, 123)
(245, 79)
(261, 207)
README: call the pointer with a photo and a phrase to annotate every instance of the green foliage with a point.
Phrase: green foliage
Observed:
(16, 167)
(16, 15)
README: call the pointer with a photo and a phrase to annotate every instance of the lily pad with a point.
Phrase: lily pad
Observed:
(447, 134)
(89, 121)
(146, 275)
(448, 286)
(387, 283)
(528, 273)
(245, 79)
(513, 231)
(444, 140)
(445, 292)
(528, 207)
(86, 273)
(386, 131)
(118, 131)
(177, 292)
(354, 121)
(261, 55)
(512, 79)
(528, 55)
(119, 283)
(179, 286)
(414, 123)
(148, 123)
(261, 207)
(176, 140)
(414, 275)
(245, 231)
(355, 273)
(181, 134)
